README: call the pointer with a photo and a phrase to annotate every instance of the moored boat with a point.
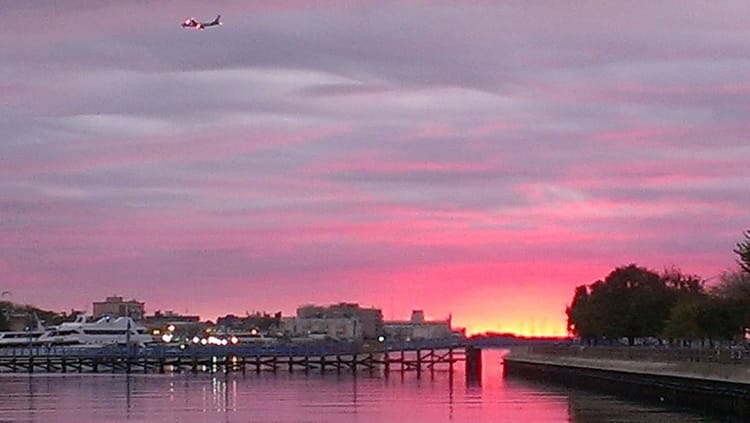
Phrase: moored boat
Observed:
(22, 338)
(104, 331)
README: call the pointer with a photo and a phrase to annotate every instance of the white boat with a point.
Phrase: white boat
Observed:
(252, 336)
(104, 331)
(22, 338)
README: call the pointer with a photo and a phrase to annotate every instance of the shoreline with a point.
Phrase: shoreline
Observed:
(710, 387)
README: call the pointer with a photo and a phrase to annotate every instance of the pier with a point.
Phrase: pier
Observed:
(419, 357)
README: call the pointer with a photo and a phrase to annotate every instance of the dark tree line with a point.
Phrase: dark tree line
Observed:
(743, 251)
(634, 302)
(29, 315)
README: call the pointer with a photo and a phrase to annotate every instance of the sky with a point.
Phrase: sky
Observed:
(478, 159)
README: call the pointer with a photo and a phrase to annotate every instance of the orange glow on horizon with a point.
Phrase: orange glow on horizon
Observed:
(518, 328)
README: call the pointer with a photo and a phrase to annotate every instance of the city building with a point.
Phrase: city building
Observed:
(417, 328)
(323, 328)
(163, 319)
(117, 307)
(369, 321)
(263, 323)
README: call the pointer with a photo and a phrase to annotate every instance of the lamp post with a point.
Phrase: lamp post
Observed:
(127, 333)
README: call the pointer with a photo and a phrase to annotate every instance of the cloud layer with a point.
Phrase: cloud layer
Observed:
(474, 158)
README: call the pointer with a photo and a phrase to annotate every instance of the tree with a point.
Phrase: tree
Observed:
(743, 251)
(583, 317)
(576, 309)
(631, 302)
(733, 285)
(689, 297)
(684, 321)
(722, 319)
(643, 298)
(734, 290)
(712, 318)
(686, 287)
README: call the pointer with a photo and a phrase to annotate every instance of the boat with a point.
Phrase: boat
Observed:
(250, 338)
(106, 330)
(22, 338)
(253, 336)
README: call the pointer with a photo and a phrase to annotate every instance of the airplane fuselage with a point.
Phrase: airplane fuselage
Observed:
(192, 23)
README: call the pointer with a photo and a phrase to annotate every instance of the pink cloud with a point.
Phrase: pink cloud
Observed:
(479, 159)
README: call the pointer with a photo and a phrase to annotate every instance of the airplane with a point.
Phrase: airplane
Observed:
(192, 23)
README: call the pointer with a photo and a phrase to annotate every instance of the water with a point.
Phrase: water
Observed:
(297, 397)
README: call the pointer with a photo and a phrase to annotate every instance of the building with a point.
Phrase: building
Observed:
(417, 328)
(323, 328)
(369, 321)
(176, 324)
(264, 323)
(117, 307)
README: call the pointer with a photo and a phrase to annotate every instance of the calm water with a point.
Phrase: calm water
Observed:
(313, 398)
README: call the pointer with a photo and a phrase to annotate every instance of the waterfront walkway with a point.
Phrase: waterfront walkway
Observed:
(708, 364)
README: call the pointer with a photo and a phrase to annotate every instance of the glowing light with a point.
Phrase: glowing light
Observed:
(156, 332)
(234, 340)
(171, 328)
(167, 337)
(253, 331)
(216, 341)
(196, 340)
(204, 341)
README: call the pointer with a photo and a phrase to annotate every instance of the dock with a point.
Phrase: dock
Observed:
(419, 357)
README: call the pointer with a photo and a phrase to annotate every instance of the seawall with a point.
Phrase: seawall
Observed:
(709, 387)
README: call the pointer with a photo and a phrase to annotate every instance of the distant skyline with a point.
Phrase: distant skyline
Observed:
(472, 158)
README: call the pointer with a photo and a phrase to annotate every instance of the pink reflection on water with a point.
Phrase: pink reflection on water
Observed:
(283, 397)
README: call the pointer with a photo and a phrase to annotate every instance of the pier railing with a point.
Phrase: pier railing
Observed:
(192, 350)
(405, 356)
(724, 355)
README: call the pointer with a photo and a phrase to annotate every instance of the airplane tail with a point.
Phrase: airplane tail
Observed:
(216, 21)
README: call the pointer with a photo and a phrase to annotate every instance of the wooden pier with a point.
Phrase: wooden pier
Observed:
(403, 357)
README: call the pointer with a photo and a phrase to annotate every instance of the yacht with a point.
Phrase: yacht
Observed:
(106, 330)
(253, 336)
(22, 338)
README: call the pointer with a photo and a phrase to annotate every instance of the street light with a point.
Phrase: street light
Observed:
(127, 334)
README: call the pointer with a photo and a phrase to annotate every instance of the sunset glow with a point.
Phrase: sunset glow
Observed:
(471, 159)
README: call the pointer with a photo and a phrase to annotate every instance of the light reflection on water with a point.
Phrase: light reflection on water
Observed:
(284, 397)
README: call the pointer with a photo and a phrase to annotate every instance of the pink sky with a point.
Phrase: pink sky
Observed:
(479, 159)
